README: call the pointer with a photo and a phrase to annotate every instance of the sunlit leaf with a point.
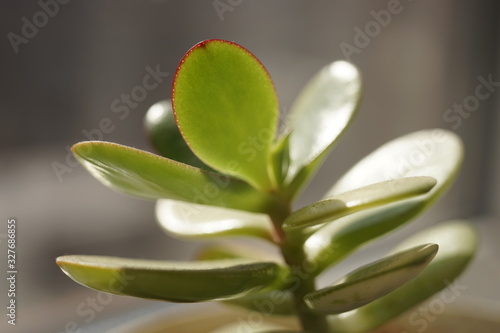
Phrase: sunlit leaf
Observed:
(147, 175)
(319, 116)
(171, 281)
(335, 241)
(369, 196)
(457, 242)
(227, 110)
(237, 250)
(188, 220)
(165, 136)
(432, 153)
(372, 281)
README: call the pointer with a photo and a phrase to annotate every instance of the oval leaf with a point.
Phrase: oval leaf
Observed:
(188, 220)
(227, 110)
(147, 175)
(433, 153)
(362, 198)
(320, 115)
(457, 242)
(171, 281)
(372, 281)
(165, 135)
(335, 241)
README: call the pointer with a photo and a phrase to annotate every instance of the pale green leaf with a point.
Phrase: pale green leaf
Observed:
(457, 242)
(372, 281)
(188, 220)
(165, 135)
(151, 176)
(227, 110)
(238, 250)
(172, 281)
(369, 196)
(432, 153)
(335, 241)
(319, 116)
(269, 303)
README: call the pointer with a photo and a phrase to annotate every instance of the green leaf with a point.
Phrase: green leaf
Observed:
(319, 116)
(238, 250)
(165, 135)
(335, 241)
(280, 159)
(171, 281)
(369, 196)
(432, 153)
(268, 303)
(457, 242)
(147, 175)
(219, 252)
(278, 302)
(227, 110)
(188, 220)
(372, 281)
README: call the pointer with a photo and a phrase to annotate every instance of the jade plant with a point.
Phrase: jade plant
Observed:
(224, 169)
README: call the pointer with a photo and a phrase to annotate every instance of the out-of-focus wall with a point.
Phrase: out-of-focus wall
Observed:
(60, 79)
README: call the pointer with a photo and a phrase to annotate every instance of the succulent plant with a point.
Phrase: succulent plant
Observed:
(225, 171)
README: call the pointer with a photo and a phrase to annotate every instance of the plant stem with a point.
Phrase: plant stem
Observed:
(302, 281)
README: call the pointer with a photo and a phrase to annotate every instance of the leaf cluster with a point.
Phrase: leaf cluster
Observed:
(224, 169)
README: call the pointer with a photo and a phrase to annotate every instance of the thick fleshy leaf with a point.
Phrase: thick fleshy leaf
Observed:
(188, 220)
(147, 175)
(278, 302)
(335, 241)
(237, 250)
(457, 242)
(372, 281)
(369, 196)
(319, 116)
(280, 160)
(272, 303)
(227, 110)
(171, 281)
(432, 153)
(165, 135)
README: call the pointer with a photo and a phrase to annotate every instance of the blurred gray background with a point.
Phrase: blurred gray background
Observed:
(61, 77)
